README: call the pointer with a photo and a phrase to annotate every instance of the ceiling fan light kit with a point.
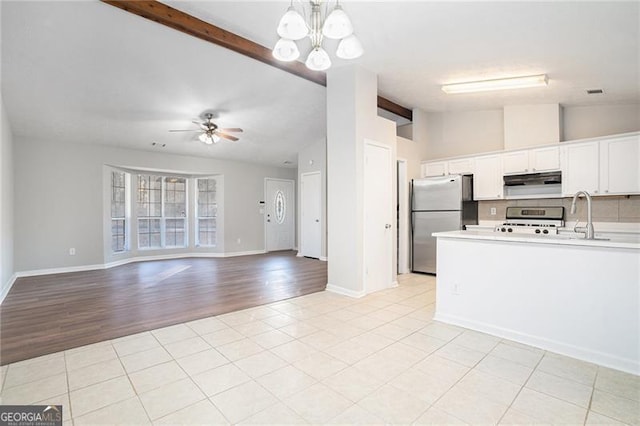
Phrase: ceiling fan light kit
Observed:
(497, 84)
(319, 24)
(211, 134)
(209, 138)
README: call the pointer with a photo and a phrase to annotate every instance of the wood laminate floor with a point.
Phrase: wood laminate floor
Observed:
(50, 313)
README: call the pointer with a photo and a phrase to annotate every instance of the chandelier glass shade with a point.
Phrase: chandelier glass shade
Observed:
(319, 24)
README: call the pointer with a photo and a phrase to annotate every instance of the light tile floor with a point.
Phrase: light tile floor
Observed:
(323, 358)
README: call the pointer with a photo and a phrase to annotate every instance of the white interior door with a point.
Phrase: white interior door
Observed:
(311, 215)
(279, 214)
(378, 220)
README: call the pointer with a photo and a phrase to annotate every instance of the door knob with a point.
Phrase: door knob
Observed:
(317, 220)
(387, 226)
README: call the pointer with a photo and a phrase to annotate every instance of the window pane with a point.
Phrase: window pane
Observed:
(206, 212)
(154, 240)
(143, 240)
(118, 211)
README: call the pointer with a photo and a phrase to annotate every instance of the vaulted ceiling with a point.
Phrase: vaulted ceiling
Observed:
(87, 72)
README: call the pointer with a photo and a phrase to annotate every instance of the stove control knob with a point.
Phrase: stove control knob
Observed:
(503, 230)
(546, 231)
(537, 231)
(509, 230)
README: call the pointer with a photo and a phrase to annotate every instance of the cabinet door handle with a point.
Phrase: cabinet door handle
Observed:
(534, 170)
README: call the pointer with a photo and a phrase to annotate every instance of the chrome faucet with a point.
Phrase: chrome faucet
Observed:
(588, 230)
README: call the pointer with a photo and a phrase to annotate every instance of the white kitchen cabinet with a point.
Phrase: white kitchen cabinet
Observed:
(434, 168)
(461, 166)
(487, 178)
(515, 162)
(580, 168)
(544, 159)
(620, 165)
(531, 160)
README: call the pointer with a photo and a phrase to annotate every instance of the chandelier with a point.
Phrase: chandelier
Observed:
(319, 23)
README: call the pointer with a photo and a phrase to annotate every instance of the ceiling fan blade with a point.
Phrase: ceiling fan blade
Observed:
(197, 130)
(231, 129)
(224, 135)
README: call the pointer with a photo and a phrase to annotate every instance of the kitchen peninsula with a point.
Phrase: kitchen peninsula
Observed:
(568, 295)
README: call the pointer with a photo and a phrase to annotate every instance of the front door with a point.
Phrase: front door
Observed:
(378, 220)
(279, 214)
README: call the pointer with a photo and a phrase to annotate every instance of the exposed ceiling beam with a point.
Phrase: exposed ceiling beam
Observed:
(393, 107)
(181, 21)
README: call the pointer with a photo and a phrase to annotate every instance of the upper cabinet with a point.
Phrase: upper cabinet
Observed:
(620, 165)
(544, 159)
(606, 167)
(580, 168)
(531, 160)
(461, 166)
(487, 179)
(515, 162)
(600, 166)
(434, 168)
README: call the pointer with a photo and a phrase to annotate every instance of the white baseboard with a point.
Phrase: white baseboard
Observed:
(244, 253)
(394, 284)
(321, 258)
(585, 354)
(7, 287)
(62, 270)
(345, 291)
(108, 265)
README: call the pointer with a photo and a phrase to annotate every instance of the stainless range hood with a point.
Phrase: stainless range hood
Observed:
(548, 178)
(533, 185)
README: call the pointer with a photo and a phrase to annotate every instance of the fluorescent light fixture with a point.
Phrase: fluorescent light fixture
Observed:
(497, 84)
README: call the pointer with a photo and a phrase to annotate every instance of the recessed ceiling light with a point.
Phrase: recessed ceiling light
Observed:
(497, 84)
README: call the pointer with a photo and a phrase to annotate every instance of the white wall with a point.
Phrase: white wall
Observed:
(315, 152)
(451, 134)
(600, 120)
(531, 125)
(351, 118)
(412, 151)
(6, 204)
(59, 199)
(460, 133)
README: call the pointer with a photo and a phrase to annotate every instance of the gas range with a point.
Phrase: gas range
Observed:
(532, 220)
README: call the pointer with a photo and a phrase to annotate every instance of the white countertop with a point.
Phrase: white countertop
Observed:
(618, 241)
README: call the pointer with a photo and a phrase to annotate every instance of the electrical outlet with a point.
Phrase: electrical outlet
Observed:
(72, 251)
(493, 211)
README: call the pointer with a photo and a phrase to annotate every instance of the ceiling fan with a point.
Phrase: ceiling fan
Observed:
(210, 132)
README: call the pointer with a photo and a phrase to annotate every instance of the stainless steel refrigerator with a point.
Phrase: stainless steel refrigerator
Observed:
(438, 204)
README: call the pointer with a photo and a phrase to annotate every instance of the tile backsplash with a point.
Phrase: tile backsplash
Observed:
(623, 208)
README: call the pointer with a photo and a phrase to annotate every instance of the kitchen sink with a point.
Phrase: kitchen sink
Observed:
(578, 237)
